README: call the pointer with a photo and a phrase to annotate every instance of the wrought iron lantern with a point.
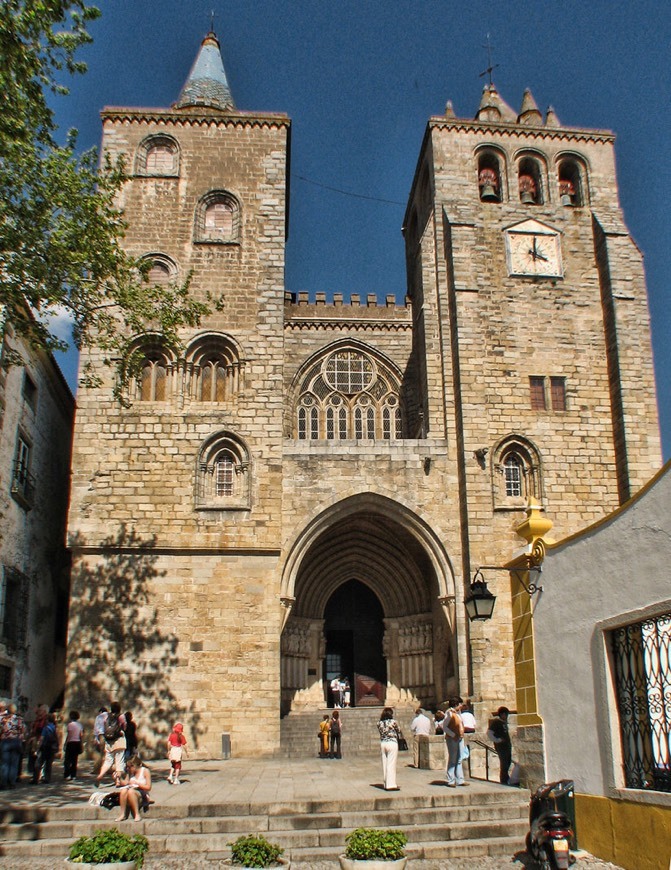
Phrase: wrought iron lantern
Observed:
(479, 601)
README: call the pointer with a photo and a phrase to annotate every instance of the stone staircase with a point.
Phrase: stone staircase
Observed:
(298, 731)
(478, 821)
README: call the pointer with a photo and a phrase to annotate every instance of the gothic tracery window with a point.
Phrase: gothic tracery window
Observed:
(348, 394)
(516, 470)
(152, 367)
(215, 368)
(223, 474)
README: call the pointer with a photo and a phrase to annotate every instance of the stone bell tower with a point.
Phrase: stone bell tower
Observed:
(531, 335)
(185, 480)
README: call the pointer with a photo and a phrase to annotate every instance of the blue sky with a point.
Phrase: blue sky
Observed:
(359, 81)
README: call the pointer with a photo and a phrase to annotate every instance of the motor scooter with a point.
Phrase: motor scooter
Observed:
(550, 830)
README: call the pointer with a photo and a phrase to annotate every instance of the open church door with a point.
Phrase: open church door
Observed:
(354, 629)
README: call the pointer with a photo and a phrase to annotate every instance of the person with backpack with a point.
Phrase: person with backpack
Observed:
(47, 750)
(335, 732)
(114, 740)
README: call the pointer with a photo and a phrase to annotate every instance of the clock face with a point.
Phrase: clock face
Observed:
(534, 252)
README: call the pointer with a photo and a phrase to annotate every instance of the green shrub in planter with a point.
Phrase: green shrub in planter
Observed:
(255, 851)
(109, 847)
(372, 844)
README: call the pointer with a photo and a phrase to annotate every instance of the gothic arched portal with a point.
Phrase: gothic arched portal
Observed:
(368, 553)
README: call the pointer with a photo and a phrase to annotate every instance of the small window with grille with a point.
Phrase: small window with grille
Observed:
(642, 669)
(29, 391)
(23, 483)
(512, 470)
(6, 673)
(13, 608)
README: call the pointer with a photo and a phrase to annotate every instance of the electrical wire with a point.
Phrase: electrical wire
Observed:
(346, 192)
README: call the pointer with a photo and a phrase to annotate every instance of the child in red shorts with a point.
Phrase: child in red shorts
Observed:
(176, 746)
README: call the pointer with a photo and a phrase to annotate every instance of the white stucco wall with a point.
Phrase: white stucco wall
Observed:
(615, 572)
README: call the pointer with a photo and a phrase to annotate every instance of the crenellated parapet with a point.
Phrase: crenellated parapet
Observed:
(312, 311)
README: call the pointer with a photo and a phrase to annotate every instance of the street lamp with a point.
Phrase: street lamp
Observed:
(480, 601)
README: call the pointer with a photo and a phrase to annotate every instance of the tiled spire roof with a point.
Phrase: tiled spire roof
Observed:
(207, 84)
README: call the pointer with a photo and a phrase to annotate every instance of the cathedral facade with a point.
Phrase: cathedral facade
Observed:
(305, 489)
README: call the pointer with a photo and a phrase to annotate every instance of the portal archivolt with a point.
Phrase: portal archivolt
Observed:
(373, 541)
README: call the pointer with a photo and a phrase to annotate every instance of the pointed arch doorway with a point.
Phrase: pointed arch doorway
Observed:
(354, 633)
(368, 545)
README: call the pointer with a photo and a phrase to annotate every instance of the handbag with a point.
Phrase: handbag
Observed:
(402, 744)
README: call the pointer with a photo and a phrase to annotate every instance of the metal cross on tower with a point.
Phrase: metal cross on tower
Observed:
(490, 68)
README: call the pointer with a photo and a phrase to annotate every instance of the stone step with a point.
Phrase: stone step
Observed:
(299, 730)
(224, 822)
(429, 840)
(308, 807)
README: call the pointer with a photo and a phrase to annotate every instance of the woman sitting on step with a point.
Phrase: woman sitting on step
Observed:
(135, 788)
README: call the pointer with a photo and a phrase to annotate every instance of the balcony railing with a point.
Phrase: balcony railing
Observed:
(23, 486)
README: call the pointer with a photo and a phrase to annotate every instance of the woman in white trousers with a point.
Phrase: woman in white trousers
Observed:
(389, 736)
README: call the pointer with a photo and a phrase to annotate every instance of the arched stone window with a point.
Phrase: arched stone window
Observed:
(530, 180)
(513, 474)
(215, 368)
(162, 269)
(348, 393)
(516, 474)
(152, 366)
(158, 156)
(490, 186)
(218, 218)
(571, 180)
(223, 474)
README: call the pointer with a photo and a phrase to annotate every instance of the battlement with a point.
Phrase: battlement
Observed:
(304, 299)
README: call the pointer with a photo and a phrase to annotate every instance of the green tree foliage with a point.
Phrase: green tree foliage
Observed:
(61, 233)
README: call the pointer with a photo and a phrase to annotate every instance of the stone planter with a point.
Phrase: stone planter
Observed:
(281, 862)
(352, 864)
(124, 865)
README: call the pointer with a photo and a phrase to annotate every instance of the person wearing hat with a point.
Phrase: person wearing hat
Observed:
(498, 734)
(176, 747)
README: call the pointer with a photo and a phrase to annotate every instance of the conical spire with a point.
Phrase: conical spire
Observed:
(207, 84)
(551, 119)
(529, 113)
(493, 108)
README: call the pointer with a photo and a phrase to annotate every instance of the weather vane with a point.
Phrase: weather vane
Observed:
(490, 69)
